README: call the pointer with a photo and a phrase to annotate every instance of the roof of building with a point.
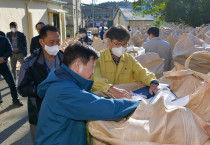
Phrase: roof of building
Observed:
(129, 14)
(55, 1)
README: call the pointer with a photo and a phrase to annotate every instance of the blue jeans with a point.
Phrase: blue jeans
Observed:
(7, 74)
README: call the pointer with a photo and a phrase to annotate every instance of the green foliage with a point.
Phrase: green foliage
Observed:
(158, 23)
(190, 12)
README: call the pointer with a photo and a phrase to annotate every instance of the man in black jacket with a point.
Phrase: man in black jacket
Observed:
(19, 46)
(5, 52)
(35, 40)
(84, 39)
(35, 69)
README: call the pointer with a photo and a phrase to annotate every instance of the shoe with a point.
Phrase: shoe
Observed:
(17, 103)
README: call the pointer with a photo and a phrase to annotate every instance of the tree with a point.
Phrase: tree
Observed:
(189, 12)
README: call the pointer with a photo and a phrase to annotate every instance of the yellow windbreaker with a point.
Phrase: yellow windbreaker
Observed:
(129, 70)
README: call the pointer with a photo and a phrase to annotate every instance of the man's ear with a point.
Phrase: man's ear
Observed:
(41, 42)
(76, 65)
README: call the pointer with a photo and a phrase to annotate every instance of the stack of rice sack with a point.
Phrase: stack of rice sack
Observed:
(99, 44)
(187, 45)
(137, 39)
(152, 62)
(157, 124)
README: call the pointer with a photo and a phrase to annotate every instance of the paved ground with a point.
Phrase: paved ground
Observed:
(14, 126)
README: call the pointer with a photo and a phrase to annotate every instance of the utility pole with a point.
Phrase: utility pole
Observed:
(93, 15)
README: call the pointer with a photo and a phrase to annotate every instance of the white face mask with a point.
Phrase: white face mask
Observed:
(13, 30)
(82, 35)
(118, 51)
(52, 50)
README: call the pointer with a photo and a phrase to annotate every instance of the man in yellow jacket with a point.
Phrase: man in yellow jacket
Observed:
(116, 67)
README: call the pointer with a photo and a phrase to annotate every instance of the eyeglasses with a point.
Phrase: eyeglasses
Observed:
(119, 44)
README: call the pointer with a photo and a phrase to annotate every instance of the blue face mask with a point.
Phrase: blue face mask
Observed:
(14, 30)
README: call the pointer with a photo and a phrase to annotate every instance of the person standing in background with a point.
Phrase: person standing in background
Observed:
(5, 52)
(84, 39)
(102, 33)
(35, 40)
(159, 46)
(19, 46)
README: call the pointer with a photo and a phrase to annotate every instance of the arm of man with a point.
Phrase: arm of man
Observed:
(26, 85)
(171, 62)
(99, 82)
(79, 104)
(24, 44)
(32, 48)
(141, 74)
(8, 52)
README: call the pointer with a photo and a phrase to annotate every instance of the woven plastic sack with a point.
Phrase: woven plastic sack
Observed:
(186, 46)
(137, 39)
(152, 62)
(151, 124)
(99, 44)
(188, 83)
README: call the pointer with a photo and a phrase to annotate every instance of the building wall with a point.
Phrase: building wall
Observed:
(119, 19)
(74, 20)
(13, 10)
(136, 24)
(16, 10)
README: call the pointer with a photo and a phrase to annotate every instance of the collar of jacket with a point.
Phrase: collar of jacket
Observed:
(40, 56)
(156, 38)
(10, 33)
(108, 56)
(81, 82)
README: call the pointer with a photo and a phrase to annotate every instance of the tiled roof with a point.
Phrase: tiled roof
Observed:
(130, 15)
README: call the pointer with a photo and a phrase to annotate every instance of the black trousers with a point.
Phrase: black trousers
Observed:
(7, 74)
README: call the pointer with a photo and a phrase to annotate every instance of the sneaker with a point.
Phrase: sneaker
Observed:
(17, 103)
(1, 102)
(1, 78)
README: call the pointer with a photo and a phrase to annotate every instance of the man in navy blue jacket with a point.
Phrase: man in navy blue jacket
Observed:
(19, 46)
(5, 52)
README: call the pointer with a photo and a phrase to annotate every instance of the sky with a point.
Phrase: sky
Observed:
(101, 1)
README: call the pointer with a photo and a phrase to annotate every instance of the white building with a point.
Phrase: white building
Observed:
(127, 17)
(27, 13)
(74, 17)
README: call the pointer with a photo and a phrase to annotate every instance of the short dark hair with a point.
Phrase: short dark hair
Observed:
(154, 31)
(119, 33)
(2, 33)
(78, 50)
(43, 31)
(39, 24)
(13, 24)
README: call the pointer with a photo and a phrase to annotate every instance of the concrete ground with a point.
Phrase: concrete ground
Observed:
(14, 126)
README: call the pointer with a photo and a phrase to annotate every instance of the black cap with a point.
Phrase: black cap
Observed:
(82, 29)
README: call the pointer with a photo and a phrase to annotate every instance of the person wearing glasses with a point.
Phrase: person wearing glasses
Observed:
(117, 67)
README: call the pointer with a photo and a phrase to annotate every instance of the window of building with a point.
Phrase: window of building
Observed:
(56, 20)
(74, 13)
